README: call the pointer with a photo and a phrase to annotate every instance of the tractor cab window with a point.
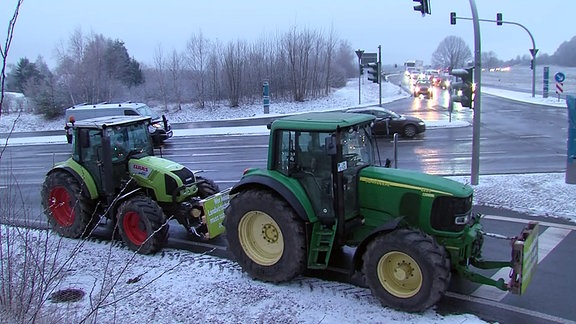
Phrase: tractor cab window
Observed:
(89, 145)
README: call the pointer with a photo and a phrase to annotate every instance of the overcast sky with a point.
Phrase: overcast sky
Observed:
(43, 26)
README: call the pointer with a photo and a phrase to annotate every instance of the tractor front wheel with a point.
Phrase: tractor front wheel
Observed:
(142, 225)
(69, 211)
(206, 187)
(407, 270)
(266, 236)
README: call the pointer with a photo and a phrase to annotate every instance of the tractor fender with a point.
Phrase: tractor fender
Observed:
(80, 174)
(384, 228)
(303, 209)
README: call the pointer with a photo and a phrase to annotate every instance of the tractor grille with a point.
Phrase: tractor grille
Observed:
(445, 210)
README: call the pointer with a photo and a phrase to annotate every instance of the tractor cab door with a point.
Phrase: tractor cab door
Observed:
(302, 156)
(89, 148)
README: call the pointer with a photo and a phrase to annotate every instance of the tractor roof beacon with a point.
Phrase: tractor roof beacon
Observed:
(114, 174)
(322, 190)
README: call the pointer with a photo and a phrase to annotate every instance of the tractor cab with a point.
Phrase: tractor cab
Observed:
(103, 146)
(326, 160)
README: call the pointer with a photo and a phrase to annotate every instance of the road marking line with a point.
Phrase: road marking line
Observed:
(526, 221)
(510, 308)
(547, 241)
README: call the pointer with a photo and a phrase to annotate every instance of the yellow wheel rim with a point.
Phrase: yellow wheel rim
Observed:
(399, 274)
(261, 238)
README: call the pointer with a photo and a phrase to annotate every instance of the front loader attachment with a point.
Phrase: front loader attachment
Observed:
(523, 263)
(214, 207)
(524, 259)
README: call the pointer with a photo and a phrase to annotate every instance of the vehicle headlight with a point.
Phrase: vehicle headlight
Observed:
(151, 129)
(462, 219)
(459, 93)
(421, 123)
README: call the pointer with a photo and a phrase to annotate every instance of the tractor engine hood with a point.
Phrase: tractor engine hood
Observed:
(166, 178)
(411, 180)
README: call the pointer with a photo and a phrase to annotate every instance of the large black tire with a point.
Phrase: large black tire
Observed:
(206, 187)
(142, 225)
(266, 236)
(69, 210)
(407, 270)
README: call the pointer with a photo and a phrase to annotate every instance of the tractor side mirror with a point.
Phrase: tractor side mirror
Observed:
(330, 145)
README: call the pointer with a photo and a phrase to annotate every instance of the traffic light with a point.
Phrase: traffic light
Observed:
(423, 6)
(532, 64)
(466, 88)
(452, 18)
(499, 19)
(374, 72)
(361, 69)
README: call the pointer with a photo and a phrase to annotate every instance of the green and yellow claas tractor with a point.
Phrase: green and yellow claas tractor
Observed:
(323, 190)
(113, 173)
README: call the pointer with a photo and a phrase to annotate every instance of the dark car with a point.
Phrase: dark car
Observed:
(388, 122)
(423, 87)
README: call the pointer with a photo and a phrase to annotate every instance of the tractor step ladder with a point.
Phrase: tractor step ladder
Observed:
(321, 246)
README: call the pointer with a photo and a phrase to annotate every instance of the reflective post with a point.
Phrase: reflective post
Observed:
(266, 96)
(571, 152)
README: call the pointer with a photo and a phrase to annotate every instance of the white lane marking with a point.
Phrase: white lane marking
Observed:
(510, 308)
(526, 221)
(547, 241)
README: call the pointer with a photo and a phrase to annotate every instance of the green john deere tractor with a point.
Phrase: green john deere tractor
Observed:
(113, 173)
(322, 190)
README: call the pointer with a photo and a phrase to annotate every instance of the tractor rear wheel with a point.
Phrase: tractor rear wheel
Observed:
(206, 187)
(407, 270)
(266, 236)
(142, 225)
(69, 210)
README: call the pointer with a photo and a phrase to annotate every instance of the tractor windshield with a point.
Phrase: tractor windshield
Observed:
(358, 147)
(131, 138)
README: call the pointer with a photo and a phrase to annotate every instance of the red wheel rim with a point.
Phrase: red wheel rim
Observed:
(59, 204)
(134, 228)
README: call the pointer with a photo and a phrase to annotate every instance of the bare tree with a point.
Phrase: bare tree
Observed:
(4, 51)
(175, 67)
(233, 65)
(160, 74)
(490, 60)
(197, 53)
(452, 52)
(298, 46)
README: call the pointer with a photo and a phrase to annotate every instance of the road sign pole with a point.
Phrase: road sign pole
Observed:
(359, 54)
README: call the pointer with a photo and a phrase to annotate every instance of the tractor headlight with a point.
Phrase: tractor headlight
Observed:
(462, 219)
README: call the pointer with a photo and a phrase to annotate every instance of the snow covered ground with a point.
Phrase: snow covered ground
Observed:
(179, 286)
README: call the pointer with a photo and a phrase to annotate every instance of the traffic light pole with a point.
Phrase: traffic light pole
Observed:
(474, 173)
(533, 51)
